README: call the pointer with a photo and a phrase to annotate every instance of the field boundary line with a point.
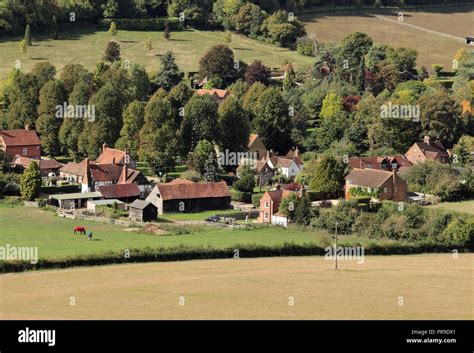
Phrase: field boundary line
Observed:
(456, 38)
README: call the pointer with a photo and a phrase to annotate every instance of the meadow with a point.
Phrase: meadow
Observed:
(437, 286)
(384, 28)
(86, 46)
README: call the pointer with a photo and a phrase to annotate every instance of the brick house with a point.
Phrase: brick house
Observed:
(188, 197)
(387, 183)
(21, 142)
(427, 150)
(269, 204)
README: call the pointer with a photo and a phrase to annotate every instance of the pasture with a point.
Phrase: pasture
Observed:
(86, 47)
(54, 236)
(409, 287)
(384, 28)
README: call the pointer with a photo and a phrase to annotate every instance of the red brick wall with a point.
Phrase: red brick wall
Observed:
(269, 210)
(33, 151)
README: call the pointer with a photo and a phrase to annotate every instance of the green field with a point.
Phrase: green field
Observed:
(429, 287)
(460, 207)
(86, 47)
(54, 236)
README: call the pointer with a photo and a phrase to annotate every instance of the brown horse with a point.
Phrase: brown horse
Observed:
(79, 229)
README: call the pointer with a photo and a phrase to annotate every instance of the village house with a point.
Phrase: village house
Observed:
(269, 166)
(48, 167)
(378, 184)
(269, 207)
(115, 156)
(188, 197)
(95, 175)
(218, 94)
(256, 146)
(427, 150)
(21, 142)
(142, 211)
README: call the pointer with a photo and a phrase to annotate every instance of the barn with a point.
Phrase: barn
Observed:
(189, 197)
(142, 211)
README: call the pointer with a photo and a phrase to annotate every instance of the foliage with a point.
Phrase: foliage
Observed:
(30, 182)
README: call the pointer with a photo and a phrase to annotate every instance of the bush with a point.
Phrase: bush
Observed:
(241, 196)
(305, 46)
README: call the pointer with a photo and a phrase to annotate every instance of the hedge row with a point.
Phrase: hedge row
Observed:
(142, 24)
(184, 253)
(66, 189)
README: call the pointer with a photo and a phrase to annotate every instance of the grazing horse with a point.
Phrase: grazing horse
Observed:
(79, 229)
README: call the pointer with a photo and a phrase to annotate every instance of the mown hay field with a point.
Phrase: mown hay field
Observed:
(409, 287)
(383, 27)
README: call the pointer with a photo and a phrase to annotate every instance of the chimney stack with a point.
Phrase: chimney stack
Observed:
(113, 160)
(104, 147)
(278, 186)
(27, 126)
(268, 154)
(297, 152)
(427, 140)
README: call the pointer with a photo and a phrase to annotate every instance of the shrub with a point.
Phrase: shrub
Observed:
(305, 46)
(241, 196)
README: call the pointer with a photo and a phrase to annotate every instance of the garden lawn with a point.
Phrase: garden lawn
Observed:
(86, 47)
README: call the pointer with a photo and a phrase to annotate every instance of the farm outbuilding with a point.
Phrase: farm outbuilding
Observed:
(91, 205)
(74, 200)
(142, 211)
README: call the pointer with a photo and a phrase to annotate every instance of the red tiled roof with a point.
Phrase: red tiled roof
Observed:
(183, 191)
(43, 163)
(111, 172)
(368, 177)
(109, 155)
(278, 195)
(119, 191)
(221, 93)
(252, 138)
(20, 137)
(74, 168)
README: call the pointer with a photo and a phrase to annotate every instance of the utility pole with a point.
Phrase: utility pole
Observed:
(335, 248)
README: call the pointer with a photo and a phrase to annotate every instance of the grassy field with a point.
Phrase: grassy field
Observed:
(86, 47)
(383, 27)
(55, 239)
(460, 207)
(431, 287)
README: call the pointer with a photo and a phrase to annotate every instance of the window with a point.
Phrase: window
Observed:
(267, 204)
(25, 151)
(265, 216)
(349, 181)
(385, 190)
